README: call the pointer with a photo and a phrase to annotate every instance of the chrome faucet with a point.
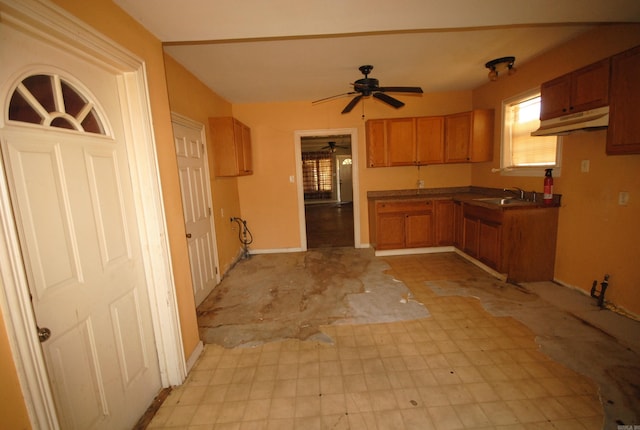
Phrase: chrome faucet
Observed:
(515, 190)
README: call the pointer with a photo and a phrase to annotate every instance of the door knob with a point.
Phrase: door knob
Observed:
(43, 334)
(188, 235)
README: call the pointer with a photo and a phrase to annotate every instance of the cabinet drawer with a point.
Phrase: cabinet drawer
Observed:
(404, 206)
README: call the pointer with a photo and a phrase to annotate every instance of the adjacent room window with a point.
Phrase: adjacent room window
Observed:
(317, 174)
(523, 154)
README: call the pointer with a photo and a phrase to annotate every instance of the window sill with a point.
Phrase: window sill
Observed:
(534, 172)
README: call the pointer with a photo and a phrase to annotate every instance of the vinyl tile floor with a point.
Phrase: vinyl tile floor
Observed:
(462, 367)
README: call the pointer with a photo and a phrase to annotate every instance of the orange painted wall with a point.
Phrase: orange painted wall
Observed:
(269, 202)
(596, 235)
(12, 407)
(191, 98)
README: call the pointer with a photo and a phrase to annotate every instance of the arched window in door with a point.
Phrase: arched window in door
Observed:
(51, 101)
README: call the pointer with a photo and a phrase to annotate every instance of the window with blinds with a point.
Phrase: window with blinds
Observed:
(520, 149)
(317, 175)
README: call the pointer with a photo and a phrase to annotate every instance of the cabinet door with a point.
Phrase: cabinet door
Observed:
(444, 214)
(224, 134)
(401, 141)
(247, 158)
(555, 96)
(470, 236)
(458, 227)
(242, 145)
(430, 140)
(623, 135)
(590, 87)
(481, 145)
(376, 143)
(584, 89)
(390, 230)
(419, 229)
(489, 244)
(457, 137)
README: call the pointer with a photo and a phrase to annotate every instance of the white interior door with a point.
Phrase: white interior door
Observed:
(73, 205)
(196, 205)
(345, 177)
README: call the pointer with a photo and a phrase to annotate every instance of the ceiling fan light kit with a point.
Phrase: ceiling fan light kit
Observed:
(365, 87)
(500, 65)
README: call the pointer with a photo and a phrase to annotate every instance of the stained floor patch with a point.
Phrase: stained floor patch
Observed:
(290, 296)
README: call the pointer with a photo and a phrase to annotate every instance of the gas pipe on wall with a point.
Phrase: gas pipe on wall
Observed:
(548, 187)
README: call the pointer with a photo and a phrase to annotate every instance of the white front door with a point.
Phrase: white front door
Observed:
(345, 177)
(191, 151)
(63, 148)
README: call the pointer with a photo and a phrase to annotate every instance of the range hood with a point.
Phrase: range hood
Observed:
(587, 120)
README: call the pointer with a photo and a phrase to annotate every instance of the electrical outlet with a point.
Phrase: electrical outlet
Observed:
(584, 166)
(623, 198)
(420, 183)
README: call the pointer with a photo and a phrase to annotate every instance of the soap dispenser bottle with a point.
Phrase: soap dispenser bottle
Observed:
(548, 187)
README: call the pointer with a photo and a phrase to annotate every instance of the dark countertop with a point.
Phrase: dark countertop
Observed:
(468, 195)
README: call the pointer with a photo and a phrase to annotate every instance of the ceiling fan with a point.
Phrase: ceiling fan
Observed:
(332, 146)
(367, 86)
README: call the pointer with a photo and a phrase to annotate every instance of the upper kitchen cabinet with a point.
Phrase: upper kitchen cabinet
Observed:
(376, 143)
(578, 91)
(231, 147)
(401, 141)
(468, 136)
(623, 135)
(430, 140)
(391, 142)
(456, 138)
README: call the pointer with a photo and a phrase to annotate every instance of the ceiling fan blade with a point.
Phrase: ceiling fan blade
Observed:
(388, 99)
(334, 97)
(354, 101)
(401, 89)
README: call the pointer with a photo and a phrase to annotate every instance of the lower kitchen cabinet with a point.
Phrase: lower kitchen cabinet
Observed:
(489, 249)
(419, 229)
(444, 221)
(457, 224)
(518, 242)
(396, 224)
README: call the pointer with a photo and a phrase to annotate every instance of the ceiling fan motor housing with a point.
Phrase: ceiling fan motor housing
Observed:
(366, 85)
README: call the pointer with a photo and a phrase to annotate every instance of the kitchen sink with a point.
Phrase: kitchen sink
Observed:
(504, 201)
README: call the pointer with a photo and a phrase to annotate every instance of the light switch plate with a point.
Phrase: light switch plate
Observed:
(584, 166)
(623, 198)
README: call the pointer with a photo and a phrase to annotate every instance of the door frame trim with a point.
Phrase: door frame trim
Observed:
(353, 132)
(52, 24)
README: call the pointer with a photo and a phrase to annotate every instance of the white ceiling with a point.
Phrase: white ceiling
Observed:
(253, 51)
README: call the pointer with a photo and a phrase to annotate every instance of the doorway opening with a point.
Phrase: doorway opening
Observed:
(327, 183)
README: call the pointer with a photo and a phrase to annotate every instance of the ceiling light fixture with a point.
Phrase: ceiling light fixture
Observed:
(500, 65)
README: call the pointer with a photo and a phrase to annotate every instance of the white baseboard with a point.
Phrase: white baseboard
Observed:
(493, 272)
(197, 351)
(275, 250)
(410, 251)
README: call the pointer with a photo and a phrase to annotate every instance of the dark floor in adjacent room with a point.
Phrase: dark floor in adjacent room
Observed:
(469, 352)
(329, 224)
